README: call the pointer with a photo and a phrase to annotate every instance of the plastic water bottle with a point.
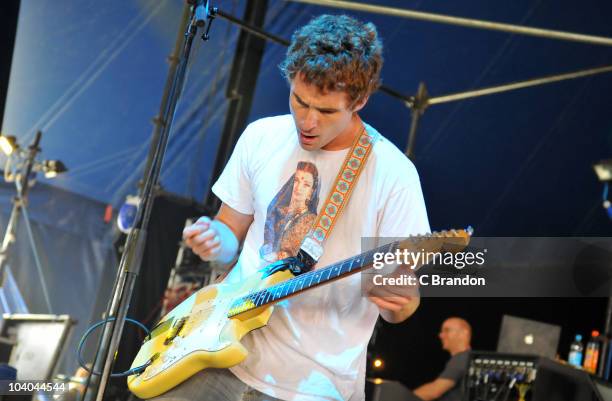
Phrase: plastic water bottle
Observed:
(575, 353)
(591, 356)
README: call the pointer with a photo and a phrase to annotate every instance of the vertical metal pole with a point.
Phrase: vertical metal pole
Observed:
(414, 125)
(417, 107)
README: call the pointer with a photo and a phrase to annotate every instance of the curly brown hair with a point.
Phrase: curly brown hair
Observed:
(336, 52)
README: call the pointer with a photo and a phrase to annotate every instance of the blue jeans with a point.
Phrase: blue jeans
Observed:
(213, 385)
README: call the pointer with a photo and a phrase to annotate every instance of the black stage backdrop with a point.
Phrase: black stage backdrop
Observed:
(9, 11)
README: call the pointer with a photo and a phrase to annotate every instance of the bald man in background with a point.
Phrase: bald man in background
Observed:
(455, 335)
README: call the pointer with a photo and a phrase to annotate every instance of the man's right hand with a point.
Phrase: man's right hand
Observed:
(218, 239)
(203, 239)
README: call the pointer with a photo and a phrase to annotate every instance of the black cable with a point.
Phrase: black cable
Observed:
(90, 330)
(486, 387)
(501, 389)
(512, 383)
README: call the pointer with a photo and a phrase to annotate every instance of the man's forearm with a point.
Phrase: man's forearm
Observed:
(433, 390)
(426, 392)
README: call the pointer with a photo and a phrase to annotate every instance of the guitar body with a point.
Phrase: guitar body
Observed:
(198, 334)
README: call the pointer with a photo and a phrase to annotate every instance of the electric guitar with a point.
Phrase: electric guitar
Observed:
(204, 331)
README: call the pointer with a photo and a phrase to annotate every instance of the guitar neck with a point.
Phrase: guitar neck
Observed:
(318, 277)
(301, 283)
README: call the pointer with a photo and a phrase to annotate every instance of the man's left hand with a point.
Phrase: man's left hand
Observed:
(396, 303)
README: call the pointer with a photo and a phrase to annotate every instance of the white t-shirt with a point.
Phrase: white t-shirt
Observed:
(314, 346)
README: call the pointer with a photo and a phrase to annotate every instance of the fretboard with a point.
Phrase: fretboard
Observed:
(317, 277)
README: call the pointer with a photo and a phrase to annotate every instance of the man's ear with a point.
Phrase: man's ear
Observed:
(360, 104)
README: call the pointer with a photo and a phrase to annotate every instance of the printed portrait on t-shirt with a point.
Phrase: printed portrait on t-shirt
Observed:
(291, 213)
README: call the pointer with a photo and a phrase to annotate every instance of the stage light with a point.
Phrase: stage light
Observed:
(53, 167)
(8, 144)
(378, 363)
(603, 169)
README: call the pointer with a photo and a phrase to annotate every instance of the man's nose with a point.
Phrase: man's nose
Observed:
(310, 120)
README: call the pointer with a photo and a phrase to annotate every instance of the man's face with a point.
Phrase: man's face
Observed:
(322, 120)
(450, 334)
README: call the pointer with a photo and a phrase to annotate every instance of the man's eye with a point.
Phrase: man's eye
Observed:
(299, 102)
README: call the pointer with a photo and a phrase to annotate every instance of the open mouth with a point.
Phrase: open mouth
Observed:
(307, 138)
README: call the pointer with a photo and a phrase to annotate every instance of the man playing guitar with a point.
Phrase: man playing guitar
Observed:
(274, 185)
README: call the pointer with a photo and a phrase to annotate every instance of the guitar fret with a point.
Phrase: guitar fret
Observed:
(299, 284)
(292, 286)
(259, 298)
(268, 295)
(279, 291)
(338, 270)
(265, 294)
(328, 274)
(344, 268)
(276, 293)
(311, 278)
(281, 288)
(302, 281)
(352, 265)
(341, 268)
(355, 261)
(286, 288)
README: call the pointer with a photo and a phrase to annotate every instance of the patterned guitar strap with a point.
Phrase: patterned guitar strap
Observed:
(311, 249)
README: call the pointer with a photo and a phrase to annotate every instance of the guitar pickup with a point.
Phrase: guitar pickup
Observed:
(157, 330)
